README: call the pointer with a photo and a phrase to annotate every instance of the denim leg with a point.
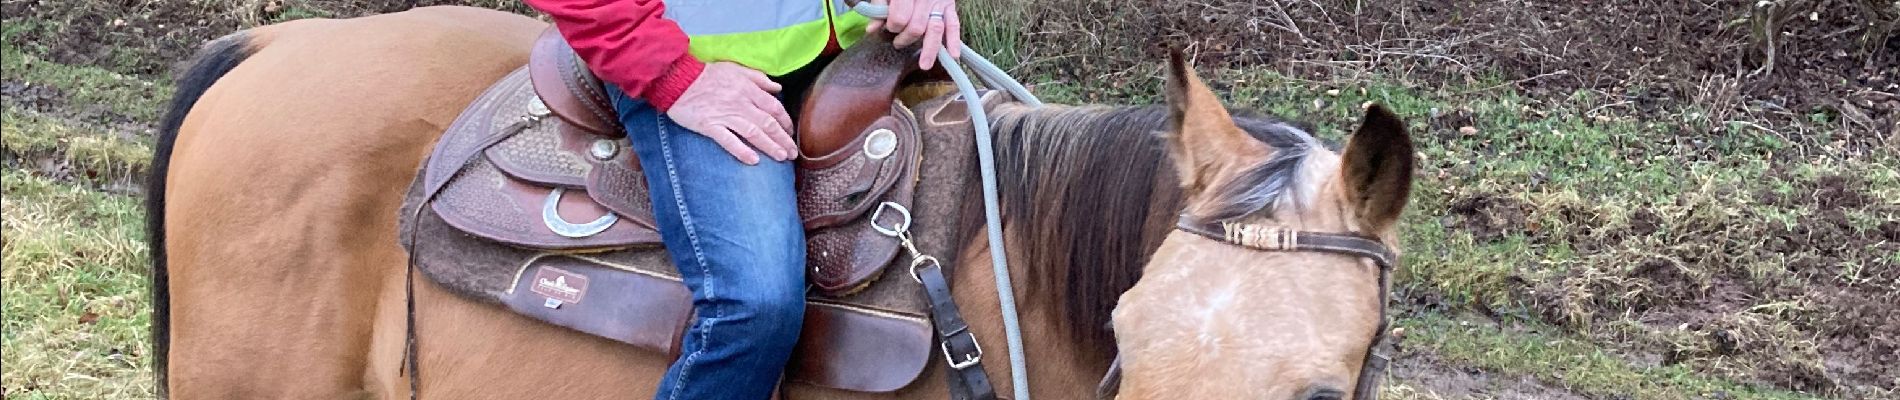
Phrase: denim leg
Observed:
(734, 232)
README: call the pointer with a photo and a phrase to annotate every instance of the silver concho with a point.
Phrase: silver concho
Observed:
(604, 149)
(881, 144)
(537, 108)
(551, 217)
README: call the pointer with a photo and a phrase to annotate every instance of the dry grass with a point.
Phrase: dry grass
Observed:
(76, 316)
(1833, 60)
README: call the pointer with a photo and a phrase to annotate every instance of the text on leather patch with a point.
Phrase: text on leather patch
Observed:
(559, 285)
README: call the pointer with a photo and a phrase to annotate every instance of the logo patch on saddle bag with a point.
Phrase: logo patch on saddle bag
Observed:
(560, 286)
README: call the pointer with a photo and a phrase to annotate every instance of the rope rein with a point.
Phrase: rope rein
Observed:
(985, 152)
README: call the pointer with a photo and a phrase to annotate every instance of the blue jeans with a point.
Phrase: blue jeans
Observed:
(734, 232)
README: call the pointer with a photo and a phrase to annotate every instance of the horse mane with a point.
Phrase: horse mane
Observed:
(1088, 193)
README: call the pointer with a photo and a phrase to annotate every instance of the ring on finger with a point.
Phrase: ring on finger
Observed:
(936, 15)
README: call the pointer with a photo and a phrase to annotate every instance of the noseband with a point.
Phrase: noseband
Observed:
(1274, 238)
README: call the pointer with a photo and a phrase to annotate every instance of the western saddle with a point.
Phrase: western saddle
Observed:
(531, 201)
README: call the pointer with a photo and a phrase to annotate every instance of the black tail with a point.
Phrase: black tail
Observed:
(213, 60)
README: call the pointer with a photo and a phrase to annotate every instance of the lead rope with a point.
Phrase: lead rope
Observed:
(985, 152)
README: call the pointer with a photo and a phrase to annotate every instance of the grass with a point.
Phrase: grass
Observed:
(66, 148)
(73, 260)
(76, 315)
(95, 137)
(120, 97)
(1575, 364)
(1577, 183)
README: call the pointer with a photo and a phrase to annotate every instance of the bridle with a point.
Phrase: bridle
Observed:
(1279, 239)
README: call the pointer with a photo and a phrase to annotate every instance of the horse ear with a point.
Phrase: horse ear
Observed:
(1202, 138)
(1377, 170)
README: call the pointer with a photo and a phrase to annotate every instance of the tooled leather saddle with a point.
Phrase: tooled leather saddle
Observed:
(531, 201)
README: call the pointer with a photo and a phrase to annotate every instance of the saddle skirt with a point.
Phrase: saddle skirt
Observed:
(531, 201)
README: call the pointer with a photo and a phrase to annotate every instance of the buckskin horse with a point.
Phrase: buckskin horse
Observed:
(1255, 269)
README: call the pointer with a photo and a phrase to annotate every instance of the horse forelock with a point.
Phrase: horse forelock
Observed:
(1088, 194)
(1289, 178)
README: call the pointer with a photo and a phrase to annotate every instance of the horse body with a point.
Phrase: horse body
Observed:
(285, 276)
(278, 273)
(282, 187)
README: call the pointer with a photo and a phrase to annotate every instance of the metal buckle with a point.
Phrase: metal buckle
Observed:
(902, 226)
(968, 359)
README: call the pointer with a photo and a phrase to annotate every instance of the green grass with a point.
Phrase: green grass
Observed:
(76, 315)
(990, 26)
(1575, 364)
(127, 97)
(95, 140)
(94, 155)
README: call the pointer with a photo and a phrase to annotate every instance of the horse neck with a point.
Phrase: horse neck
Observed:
(1087, 194)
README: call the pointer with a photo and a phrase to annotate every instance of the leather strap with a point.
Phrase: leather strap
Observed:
(409, 335)
(1372, 369)
(410, 360)
(1277, 239)
(968, 380)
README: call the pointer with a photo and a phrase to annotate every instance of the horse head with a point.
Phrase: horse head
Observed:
(1243, 300)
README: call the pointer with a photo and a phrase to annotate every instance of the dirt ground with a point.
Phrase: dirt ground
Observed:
(1694, 284)
(1429, 374)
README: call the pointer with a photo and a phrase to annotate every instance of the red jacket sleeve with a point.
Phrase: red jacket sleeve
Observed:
(628, 43)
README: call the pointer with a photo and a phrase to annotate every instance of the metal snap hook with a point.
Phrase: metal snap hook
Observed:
(919, 261)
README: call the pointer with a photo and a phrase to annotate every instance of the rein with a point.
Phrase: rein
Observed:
(999, 262)
(1280, 239)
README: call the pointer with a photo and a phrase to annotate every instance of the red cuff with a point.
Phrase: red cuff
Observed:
(668, 88)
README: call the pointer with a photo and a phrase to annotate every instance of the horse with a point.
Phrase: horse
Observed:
(286, 150)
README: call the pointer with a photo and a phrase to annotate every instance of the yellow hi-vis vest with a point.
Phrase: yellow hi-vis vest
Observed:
(773, 36)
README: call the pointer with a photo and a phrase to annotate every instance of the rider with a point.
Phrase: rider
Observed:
(701, 87)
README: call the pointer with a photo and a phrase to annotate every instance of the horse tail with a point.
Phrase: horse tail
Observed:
(213, 60)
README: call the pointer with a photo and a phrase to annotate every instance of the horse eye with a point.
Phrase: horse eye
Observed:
(1322, 393)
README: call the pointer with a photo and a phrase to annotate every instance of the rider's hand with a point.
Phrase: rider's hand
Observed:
(734, 106)
(934, 21)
